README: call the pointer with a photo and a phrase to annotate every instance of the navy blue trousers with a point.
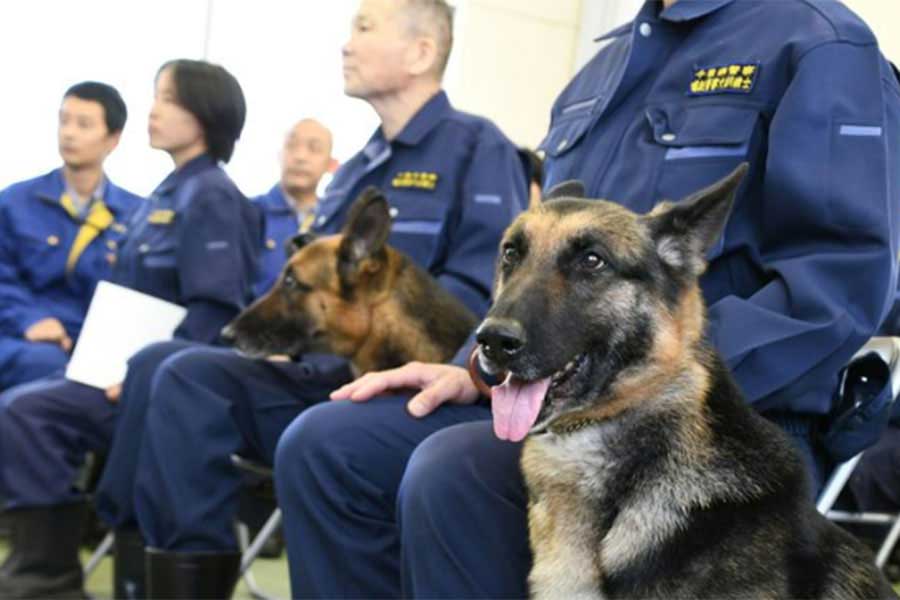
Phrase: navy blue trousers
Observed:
(22, 361)
(378, 504)
(46, 428)
(202, 405)
(876, 480)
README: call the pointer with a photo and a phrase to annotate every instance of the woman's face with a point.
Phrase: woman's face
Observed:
(171, 127)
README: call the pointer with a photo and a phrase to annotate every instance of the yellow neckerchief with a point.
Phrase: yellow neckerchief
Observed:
(307, 221)
(99, 218)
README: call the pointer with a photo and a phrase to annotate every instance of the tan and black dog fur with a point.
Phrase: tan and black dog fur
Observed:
(355, 296)
(648, 474)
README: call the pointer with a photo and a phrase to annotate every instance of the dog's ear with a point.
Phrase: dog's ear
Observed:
(364, 235)
(293, 245)
(685, 231)
(566, 189)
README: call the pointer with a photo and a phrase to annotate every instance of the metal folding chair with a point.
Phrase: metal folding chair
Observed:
(250, 549)
(889, 350)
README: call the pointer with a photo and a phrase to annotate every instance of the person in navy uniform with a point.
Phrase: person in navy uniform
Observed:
(194, 242)
(288, 207)
(800, 280)
(58, 237)
(453, 181)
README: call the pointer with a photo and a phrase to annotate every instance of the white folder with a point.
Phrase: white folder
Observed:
(119, 322)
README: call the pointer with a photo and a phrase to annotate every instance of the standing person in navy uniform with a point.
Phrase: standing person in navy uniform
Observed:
(802, 277)
(454, 182)
(288, 207)
(58, 237)
(195, 242)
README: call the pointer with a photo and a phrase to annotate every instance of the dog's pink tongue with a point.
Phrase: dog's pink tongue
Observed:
(515, 406)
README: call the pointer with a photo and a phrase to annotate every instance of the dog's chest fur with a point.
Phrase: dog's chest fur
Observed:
(602, 488)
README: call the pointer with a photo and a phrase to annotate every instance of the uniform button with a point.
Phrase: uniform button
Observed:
(111, 244)
(321, 220)
(270, 244)
(53, 240)
(667, 137)
(645, 29)
(393, 212)
(562, 145)
(144, 248)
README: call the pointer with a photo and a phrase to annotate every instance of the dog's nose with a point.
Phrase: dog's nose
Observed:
(501, 339)
(228, 334)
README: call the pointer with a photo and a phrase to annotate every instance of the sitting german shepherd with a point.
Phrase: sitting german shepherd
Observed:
(648, 474)
(355, 296)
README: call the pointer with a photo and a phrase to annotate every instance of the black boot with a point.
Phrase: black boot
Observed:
(200, 575)
(128, 571)
(43, 558)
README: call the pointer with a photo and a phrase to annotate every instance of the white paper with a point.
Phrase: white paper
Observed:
(119, 322)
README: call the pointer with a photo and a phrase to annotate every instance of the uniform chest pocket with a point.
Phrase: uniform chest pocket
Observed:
(417, 221)
(158, 255)
(43, 259)
(566, 134)
(699, 144)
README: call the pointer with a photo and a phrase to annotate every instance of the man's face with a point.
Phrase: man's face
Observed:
(83, 137)
(306, 156)
(377, 52)
(171, 126)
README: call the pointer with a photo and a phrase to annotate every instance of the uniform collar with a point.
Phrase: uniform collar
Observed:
(53, 184)
(188, 169)
(681, 11)
(688, 10)
(431, 113)
(276, 202)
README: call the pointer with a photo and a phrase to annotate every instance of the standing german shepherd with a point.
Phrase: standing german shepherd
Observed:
(355, 296)
(648, 474)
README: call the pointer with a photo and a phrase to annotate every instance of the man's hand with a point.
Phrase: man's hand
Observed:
(114, 392)
(439, 384)
(49, 330)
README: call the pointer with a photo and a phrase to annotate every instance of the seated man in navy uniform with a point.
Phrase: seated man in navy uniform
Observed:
(377, 506)
(454, 182)
(290, 205)
(58, 237)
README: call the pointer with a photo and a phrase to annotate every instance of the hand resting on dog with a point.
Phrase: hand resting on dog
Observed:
(438, 383)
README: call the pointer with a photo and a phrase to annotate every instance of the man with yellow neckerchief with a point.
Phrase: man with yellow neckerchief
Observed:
(58, 236)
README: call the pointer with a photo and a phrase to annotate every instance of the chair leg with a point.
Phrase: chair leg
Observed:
(99, 553)
(250, 551)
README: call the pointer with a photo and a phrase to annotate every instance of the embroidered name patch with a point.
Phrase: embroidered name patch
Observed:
(161, 217)
(415, 179)
(735, 79)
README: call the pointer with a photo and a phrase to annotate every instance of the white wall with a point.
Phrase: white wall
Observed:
(513, 57)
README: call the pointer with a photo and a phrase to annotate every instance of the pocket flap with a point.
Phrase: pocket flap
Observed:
(565, 134)
(701, 125)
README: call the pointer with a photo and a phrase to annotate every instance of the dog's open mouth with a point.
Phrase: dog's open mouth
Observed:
(516, 404)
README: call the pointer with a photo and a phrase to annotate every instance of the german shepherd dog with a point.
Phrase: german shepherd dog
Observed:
(355, 296)
(648, 475)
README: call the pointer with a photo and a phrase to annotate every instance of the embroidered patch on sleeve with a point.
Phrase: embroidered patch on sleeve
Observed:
(733, 79)
(415, 179)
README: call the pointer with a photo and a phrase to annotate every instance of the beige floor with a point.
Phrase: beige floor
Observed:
(271, 575)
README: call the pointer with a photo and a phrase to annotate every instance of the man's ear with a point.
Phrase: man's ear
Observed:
(566, 189)
(364, 236)
(293, 245)
(685, 231)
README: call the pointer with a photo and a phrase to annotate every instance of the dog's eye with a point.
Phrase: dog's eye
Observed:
(592, 262)
(510, 255)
